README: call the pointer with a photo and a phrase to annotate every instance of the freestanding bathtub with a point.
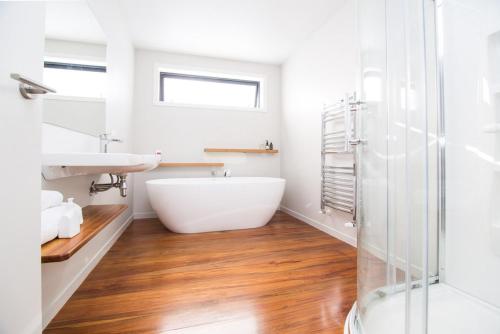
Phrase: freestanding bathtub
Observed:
(193, 205)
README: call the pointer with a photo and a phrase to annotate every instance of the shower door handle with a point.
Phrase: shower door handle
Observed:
(356, 141)
(355, 196)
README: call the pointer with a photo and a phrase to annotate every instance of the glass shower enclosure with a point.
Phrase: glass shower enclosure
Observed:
(428, 168)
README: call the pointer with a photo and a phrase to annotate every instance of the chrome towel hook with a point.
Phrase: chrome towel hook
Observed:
(29, 88)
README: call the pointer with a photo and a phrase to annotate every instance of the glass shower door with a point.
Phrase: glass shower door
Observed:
(415, 187)
(371, 155)
(397, 182)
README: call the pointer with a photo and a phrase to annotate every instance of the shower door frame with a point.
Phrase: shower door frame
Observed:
(441, 138)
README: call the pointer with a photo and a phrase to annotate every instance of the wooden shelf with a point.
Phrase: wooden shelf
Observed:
(191, 164)
(95, 218)
(241, 150)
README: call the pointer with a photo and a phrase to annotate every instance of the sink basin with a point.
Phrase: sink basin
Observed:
(58, 165)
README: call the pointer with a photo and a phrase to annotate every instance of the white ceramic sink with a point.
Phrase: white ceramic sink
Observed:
(57, 165)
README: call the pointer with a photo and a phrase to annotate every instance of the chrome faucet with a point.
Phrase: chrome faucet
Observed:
(104, 140)
(227, 173)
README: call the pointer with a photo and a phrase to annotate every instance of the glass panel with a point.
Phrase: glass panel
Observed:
(395, 241)
(372, 168)
(398, 228)
(224, 93)
(414, 110)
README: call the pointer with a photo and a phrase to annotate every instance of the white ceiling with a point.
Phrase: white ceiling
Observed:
(72, 21)
(254, 30)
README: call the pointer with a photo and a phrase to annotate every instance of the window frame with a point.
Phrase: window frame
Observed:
(74, 66)
(212, 75)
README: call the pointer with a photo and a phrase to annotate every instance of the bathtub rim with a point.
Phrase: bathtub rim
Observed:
(215, 180)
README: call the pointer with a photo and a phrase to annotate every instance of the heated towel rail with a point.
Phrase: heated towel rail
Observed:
(338, 179)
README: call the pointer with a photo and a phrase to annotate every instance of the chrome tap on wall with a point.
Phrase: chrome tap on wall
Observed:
(104, 140)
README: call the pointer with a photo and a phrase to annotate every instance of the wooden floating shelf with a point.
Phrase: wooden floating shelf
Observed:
(241, 150)
(95, 218)
(191, 164)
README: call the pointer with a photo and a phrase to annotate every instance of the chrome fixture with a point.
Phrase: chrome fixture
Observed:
(441, 135)
(121, 183)
(104, 140)
(29, 88)
(227, 173)
(338, 188)
(355, 141)
(338, 180)
(337, 127)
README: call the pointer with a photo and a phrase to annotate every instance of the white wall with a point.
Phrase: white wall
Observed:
(60, 280)
(21, 36)
(182, 133)
(323, 69)
(70, 49)
(472, 107)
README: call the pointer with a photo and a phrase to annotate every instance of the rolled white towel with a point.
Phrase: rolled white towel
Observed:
(50, 220)
(51, 199)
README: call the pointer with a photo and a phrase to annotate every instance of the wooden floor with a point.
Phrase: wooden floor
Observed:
(286, 277)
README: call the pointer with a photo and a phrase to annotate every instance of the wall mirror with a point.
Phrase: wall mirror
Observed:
(74, 65)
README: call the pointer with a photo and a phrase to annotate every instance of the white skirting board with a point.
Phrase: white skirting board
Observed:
(145, 215)
(51, 308)
(320, 226)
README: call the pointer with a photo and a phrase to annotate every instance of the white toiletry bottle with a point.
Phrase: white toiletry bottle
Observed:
(75, 210)
(72, 217)
(158, 155)
(68, 225)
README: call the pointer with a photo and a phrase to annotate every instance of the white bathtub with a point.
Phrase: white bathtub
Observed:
(193, 205)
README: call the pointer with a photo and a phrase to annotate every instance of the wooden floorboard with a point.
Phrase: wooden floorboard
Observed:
(286, 277)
